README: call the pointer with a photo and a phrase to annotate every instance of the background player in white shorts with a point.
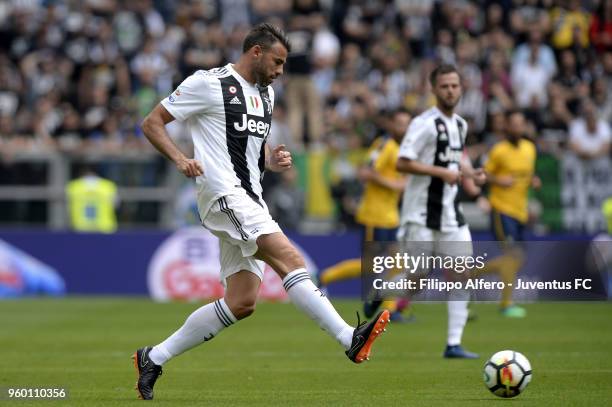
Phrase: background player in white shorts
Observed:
(433, 151)
(228, 111)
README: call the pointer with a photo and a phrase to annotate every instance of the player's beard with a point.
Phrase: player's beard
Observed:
(515, 137)
(261, 77)
(446, 105)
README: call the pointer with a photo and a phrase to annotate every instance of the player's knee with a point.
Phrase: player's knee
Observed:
(243, 309)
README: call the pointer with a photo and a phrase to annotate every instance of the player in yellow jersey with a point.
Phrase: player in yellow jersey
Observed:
(378, 211)
(510, 171)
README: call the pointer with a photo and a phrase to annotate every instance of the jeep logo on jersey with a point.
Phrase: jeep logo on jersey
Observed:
(450, 155)
(256, 128)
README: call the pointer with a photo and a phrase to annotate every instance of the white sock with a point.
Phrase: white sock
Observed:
(308, 298)
(201, 326)
(457, 316)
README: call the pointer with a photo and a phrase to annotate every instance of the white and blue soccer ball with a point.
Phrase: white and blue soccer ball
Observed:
(507, 373)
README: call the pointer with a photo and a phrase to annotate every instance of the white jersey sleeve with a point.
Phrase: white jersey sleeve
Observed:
(416, 138)
(192, 96)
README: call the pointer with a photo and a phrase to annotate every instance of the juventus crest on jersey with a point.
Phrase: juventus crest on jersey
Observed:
(229, 120)
(435, 139)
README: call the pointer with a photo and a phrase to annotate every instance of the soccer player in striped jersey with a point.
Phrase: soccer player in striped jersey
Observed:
(228, 111)
(432, 151)
(378, 211)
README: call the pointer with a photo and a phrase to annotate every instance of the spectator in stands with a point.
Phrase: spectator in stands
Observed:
(444, 51)
(303, 100)
(602, 98)
(606, 64)
(589, 136)
(358, 21)
(530, 81)
(204, 48)
(11, 86)
(472, 104)
(527, 15)
(571, 81)
(415, 24)
(496, 83)
(68, 133)
(96, 111)
(497, 128)
(601, 27)
(129, 29)
(570, 25)
(497, 41)
(42, 68)
(545, 54)
(388, 79)
(232, 13)
(325, 53)
(353, 64)
(151, 64)
(46, 118)
(554, 122)
(262, 10)
(495, 17)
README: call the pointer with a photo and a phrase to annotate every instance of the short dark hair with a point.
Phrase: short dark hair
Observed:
(399, 110)
(441, 70)
(513, 111)
(265, 35)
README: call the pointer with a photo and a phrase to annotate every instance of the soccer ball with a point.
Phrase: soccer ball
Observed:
(507, 373)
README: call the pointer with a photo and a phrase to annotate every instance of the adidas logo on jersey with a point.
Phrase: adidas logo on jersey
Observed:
(235, 101)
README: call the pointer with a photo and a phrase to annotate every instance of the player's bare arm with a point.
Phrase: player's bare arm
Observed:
(408, 166)
(154, 128)
(278, 159)
(470, 186)
(368, 174)
(504, 181)
(473, 178)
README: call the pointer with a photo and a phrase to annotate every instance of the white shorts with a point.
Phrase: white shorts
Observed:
(434, 242)
(237, 220)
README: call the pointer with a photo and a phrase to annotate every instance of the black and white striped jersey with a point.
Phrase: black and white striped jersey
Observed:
(435, 139)
(229, 120)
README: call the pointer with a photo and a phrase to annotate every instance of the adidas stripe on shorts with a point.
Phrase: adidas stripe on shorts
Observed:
(237, 220)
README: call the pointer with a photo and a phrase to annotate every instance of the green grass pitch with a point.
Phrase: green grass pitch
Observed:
(279, 357)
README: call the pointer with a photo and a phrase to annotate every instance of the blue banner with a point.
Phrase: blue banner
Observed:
(117, 264)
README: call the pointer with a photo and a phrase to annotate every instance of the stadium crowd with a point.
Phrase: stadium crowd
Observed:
(79, 75)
